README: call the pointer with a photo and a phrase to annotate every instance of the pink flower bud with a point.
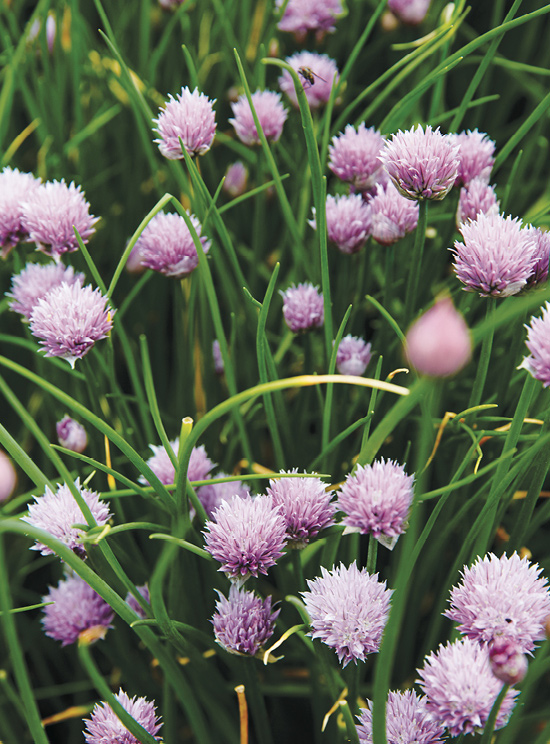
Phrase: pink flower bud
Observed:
(71, 434)
(8, 477)
(508, 663)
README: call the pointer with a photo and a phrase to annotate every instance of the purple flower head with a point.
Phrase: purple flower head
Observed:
(303, 307)
(35, 281)
(57, 512)
(461, 688)
(353, 356)
(392, 216)
(501, 597)
(348, 222)
(376, 500)
(170, 4)
(236, 179)
(134, 604)
(540, 271)
(354, 156)
(167, 246)
(50, 213)
(212, 495)
(8, 476)
(104, 727)
(71, 434)
(15, 189)
(475, 157)
(411, 12)
(243, 622)
(160, 463)
(190, 118)
(247, 538)
(76, 607)
(538, 343)
(70, 319)
(508, 663)
(439, 344)
(408, 721)
(219, 366)
(133, 263)
(348, 610)
(270, 112)
(301, 16)
(475, 199)
(496, 258)
(305, 505)
(323, 68)
(423, 164)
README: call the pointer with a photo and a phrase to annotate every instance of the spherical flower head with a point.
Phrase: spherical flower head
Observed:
(57, 512)
(219, 366)
(167, 246)
(408, 721)
(439, 344)
(501, 597)
(461, 688)
(475, 199)
(70, 319)
(50, 214)
(15, 189)
(540, 271)
(538, 343)
(423, 164)
(71, 434)
(134, 604)
(303, 307)
(348, 222)
(496, 258)
(324, 71)
(8, 477)
(270, 112)
(35, 281)
(305, 505)
(212, 495)
(353, 356)
(475, 156)
(243, 622)
(190, 118)
(104, 727)
(349, 609)
(392, 216)
(247, 536)
(160, 463)
(301, 16)
(236, 179)
(411, 12)
(508, 663)
(376, 500)
(354, 156)
(76, 608)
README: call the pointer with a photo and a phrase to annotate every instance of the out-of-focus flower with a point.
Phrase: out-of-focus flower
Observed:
(301, 16)
(160, 463)
(15, 189)
(348, 610)
(236, 179)
(538, 343)
(243, 622)
(423, 164)
(496, 258)
(133, 263)
(323, 70)
(219, 366)
(411, 12)
(392, 216)
(501, 597)
(475, 199)
(461, 688)
(134, 604)
(212, 495)
(270, 112)
(51, 212)
(348, 222)
(70, 319)
(354, 156)
(71, 434)
(439, 344)
(353, 356)
(8, 477)
(540, 272)
(76, 607)
(189, 117)
(303, 307)
(247, 538)
(475, 156)
(35, 281)
(57, 512)
(408, 720)
(508, 663)
(169, 4)
(166, 245)
(104, 726)
(305, 505)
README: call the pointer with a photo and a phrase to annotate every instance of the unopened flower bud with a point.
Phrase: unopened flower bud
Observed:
(508, 663)
(71, 434)
(8, 477)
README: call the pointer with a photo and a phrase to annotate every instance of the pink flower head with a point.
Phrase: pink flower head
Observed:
(408, 720)
(51, 212)
(212, 495)
(540, 272)
(219, 366)
(475, 199)
(538, 343)
(35, 281)
(134, 604)
(324, 71)
(353, 356)
(270, 112)
(15, 189)
(475, 157)
(71, 434)
(301, 16)
(8, 476)
(349, 609)
(303, 307)
(411, 12)
(236, 179)
(243, 622)
(160, 463)
(423, 164)
(189, 117)
(70, 319)
(439, 344)
(392, 216)
(461, 688)
(354, 156)
(166, 245)
(104, 726)
(508, 663)
(348, 222)
(496, 258)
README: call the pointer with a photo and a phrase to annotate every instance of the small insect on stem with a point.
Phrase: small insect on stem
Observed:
(309, 77)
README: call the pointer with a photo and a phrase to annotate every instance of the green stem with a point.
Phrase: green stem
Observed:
(256, 701)
(483, 364)
(416, 261)
(296, 555)
(372, 554)
(490, 725)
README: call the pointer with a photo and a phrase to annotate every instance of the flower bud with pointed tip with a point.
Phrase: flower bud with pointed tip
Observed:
(508, 663)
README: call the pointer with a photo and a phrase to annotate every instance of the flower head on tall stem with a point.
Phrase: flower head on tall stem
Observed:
(167, 246)
(236, 179)
(35, 281)
(15, 189)
(475, 199)
(212, 495)
(353, 355)
(303, 307)
(475, 157)
(411, 12)
(301, 16)
(104, 726)
(354, 156)
(190, 118)
(408, 720)
(392, 216)
(71, 434)
(243, 622)
(538, 343)
(270, 112)
(348, 222)
(540, 271)
(160, 463)
(325, 74)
